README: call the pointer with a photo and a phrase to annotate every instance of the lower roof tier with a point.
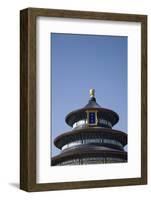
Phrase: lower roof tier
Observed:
(92, 153)
(90, 133)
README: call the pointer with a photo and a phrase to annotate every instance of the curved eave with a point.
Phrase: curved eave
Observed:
(103, 132)
(86, 153)
(76, 115)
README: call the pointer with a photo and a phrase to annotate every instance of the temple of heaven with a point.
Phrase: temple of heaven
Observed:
(92, 139)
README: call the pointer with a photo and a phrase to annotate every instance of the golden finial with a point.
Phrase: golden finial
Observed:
(92, 92)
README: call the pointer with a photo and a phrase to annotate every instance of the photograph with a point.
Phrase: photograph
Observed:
(88, 99)
(83, 104)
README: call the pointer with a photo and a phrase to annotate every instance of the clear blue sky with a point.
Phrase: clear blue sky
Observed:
(80, 62)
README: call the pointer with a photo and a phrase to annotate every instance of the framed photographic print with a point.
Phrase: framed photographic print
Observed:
(83, 99)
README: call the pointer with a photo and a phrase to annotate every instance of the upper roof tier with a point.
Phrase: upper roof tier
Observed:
(102, 113)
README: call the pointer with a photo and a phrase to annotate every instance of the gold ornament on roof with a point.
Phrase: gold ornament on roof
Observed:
(92, 92)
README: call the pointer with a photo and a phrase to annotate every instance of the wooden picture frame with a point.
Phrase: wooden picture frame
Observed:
(28, 86)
